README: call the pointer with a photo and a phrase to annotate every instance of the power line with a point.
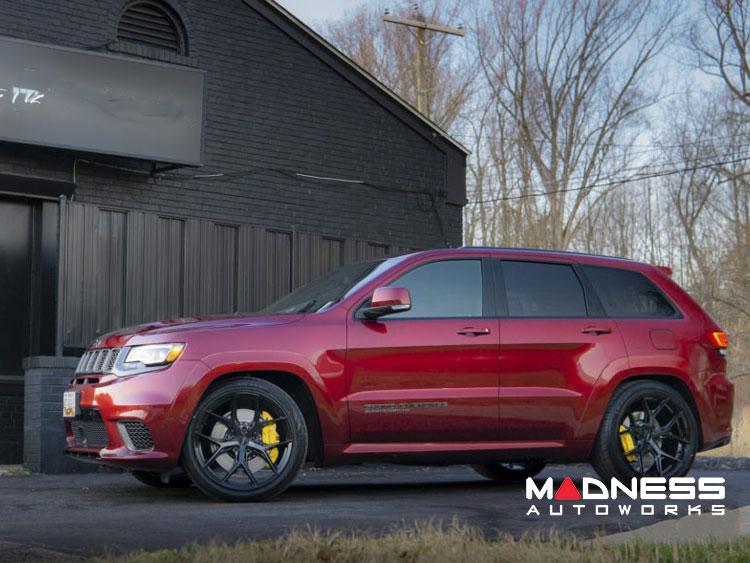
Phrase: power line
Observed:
(654, 146)
(640, 167)
(432, 195)
(421, 27)
(614, 183)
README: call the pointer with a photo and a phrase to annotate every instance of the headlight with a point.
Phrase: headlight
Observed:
(148, 357)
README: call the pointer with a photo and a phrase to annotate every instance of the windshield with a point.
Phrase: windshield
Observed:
(324, 292)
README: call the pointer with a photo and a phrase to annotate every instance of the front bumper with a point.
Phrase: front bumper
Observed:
(162, 401)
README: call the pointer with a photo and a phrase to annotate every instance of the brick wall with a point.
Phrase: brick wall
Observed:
(274, 99)
(44, 430)
(271, 102)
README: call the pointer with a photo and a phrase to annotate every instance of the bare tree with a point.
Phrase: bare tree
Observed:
(499, 211)
(710, 199)
(389, 53)
(571, 77)
(720, 41)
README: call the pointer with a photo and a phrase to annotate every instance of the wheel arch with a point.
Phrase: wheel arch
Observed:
(679, 385)
(605, 390)
(297, 389)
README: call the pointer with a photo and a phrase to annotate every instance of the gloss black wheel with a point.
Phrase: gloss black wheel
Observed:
(246, 441)
(509, 472)
(648, 430)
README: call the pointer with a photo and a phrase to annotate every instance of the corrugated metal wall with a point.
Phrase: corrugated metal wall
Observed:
(121, 268)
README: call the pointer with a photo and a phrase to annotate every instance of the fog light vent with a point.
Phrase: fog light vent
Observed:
(137, 435)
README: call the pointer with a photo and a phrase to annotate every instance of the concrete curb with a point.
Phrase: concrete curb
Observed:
(707, 462)
(732, 525)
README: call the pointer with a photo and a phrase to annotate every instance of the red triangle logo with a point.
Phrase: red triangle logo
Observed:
(567, 491)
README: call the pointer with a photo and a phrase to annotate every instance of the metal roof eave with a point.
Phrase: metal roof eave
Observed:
(366, 75)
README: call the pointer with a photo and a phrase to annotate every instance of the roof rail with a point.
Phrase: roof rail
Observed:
(522, 249)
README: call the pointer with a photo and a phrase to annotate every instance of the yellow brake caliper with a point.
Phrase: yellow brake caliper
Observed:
(270, 436)
(625, 439)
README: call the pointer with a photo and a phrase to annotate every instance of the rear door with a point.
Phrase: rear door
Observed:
(429, 374)
(555, 342)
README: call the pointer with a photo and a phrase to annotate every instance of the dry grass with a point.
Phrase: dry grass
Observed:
(434, 543)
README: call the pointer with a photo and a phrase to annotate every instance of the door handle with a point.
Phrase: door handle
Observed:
(471, 331)
(597, 330)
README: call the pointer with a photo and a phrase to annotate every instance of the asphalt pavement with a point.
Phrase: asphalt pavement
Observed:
(92, 513)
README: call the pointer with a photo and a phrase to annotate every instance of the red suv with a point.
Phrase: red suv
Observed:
(503, 359)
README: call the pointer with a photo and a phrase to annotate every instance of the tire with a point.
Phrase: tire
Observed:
(509, 472)
(177, 479)
(664, 436)
(229, 448)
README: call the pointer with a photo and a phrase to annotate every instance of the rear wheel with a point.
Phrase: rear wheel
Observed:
(246, 441)
(648, 430)
(509, 472)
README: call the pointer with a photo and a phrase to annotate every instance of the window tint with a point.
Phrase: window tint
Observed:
(628, 294)
(450, 288)
(534, 289)
(323, 292)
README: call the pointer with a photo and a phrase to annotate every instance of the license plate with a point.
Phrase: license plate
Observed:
(70, 404)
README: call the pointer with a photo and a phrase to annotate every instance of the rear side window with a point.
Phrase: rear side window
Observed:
(449, 288)
(536, 289)
(624, 293)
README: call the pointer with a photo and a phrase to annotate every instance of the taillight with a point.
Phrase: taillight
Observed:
(719, 339)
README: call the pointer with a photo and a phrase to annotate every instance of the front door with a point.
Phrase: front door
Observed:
(429, 374)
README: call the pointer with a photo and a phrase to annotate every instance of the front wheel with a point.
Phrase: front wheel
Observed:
(648, 430)
(509, 472)
(246, 441)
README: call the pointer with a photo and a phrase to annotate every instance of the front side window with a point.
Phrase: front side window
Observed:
(536, 289)
(625, 293)
(444, 289)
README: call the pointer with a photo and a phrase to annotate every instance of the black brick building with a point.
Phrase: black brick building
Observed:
(296, 162)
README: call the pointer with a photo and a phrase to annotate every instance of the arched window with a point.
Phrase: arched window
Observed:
(153, 24)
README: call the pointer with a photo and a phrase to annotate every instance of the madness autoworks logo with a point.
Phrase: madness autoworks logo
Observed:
(592, 492)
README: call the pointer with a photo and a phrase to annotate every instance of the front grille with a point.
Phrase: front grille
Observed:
(89, 433)
(101, 360)
(139, 435)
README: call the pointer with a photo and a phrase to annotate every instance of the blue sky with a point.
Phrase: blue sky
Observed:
(310, 11)
(671, 63)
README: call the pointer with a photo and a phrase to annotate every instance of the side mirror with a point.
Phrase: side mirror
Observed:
(386, 301)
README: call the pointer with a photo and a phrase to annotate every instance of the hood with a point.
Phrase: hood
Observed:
(162, 329)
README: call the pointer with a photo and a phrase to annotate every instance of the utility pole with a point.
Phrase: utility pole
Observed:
(421, 28)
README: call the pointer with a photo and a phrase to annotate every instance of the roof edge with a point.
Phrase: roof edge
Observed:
(322, 41)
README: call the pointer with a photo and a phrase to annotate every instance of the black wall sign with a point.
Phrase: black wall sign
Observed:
(101, 103)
